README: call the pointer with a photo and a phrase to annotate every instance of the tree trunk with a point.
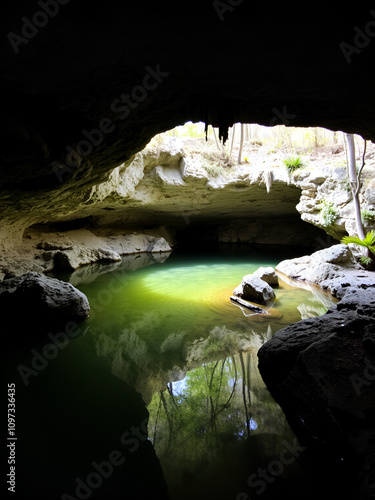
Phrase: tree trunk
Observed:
(354, 183)
(216, 141)
(244, 394)
(241, 145)
(232, 140)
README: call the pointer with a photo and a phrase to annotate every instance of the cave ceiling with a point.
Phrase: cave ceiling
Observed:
(85, 85)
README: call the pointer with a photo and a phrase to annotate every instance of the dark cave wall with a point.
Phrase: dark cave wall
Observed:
(271, 65)
(86, 88)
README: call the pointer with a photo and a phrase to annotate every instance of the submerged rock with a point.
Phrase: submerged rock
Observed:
(35, 300)
(254, 289)
(248, 305)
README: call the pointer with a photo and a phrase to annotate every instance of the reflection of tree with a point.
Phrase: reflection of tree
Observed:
(202, 411)
(218, 403)
(246, 383)
(215, 405)
(213, 414)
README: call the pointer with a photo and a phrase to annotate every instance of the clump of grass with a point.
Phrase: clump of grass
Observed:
(368, 215)
(293, 163)
(329, 213)
(217, 162)
(213, 170)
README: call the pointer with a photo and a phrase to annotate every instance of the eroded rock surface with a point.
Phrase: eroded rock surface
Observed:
(37, 300)
(69, 250)
(322, 370)
(267, 274)
(322, 373)
(254, 289)
(334, 269)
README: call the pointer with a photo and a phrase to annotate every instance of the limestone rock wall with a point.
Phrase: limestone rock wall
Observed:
(169, 188)
(329, 185)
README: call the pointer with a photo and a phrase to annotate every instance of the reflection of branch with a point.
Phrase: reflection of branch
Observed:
(168, 417)
(226, 405)
(170, 391)
(211, 401)
(248, 380)
(244, 394)
(212, 375)
(221, 379)
(156, 422)
(235, 381)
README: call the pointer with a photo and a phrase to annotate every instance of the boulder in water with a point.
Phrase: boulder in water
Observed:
(254, 289)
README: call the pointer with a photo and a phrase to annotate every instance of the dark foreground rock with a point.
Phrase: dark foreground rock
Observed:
(36, 300)
(322, 373)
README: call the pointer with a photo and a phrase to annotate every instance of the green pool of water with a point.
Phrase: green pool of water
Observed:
(162, 330)
(170, 331)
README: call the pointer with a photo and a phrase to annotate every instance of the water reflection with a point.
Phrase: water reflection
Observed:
(136, 363)
(202, 427)
(172, 333)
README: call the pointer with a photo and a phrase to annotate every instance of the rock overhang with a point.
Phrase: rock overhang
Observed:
(85, 89)
(89, 79)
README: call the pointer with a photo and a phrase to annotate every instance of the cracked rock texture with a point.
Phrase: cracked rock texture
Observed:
(322, 370)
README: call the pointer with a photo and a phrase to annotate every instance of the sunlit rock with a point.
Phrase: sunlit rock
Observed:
(254, 289)
(267, 274)
(334, 269)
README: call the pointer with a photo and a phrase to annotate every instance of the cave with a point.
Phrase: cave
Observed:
(85, 87)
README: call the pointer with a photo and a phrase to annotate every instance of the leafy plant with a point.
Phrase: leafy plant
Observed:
(329, 213)
(369, 243)
(367, 215)
(293, 163)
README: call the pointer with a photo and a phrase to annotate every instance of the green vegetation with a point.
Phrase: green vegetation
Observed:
(293, 163)
(369, 243)
(214, 170)
(346, 184)
(329, 213)
(367, 215)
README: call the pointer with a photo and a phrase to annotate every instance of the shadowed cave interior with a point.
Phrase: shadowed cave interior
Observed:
(84, 88)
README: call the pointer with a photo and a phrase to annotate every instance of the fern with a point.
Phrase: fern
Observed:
(367, 242)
